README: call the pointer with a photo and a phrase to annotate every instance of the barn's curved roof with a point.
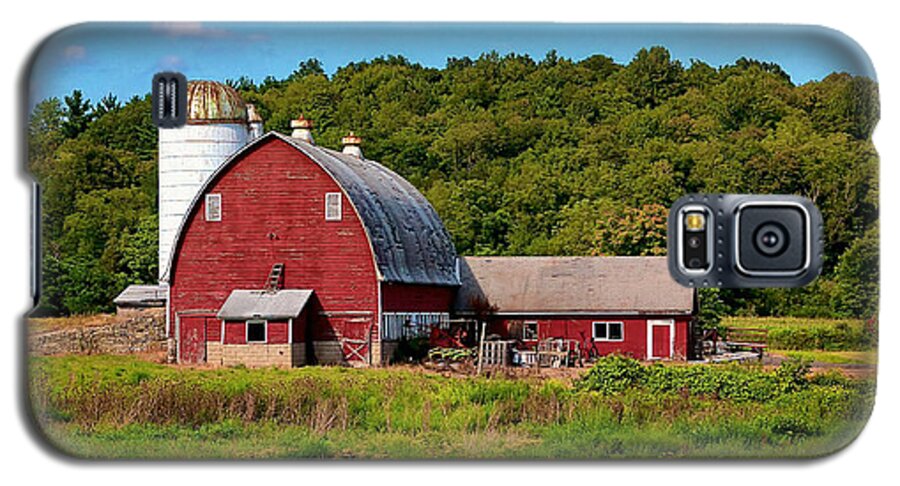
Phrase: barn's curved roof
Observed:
(409, 242)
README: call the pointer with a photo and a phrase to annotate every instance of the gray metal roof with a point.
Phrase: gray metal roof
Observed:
(263, 304)
(410, 242)
(408, 239)
(575, 285)
(142, 296)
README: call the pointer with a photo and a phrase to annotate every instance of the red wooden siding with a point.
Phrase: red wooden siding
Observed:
(416, 298)
(273, 211)
(213, 330)
(235, 332)
(633, 343)
(277, 332)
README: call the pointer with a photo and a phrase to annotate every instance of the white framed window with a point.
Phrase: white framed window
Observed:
(257, 331)
(608, 331)
(213, 207)
(530, 331)
(333, 206)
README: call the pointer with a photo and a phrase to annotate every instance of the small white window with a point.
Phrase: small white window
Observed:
(214, 207)
(333, 206)
(530, 331)
(608, 331)
(256, 331)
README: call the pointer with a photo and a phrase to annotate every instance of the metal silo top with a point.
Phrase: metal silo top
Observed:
(213, 102)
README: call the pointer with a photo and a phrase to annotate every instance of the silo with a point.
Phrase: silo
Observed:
(217, 126)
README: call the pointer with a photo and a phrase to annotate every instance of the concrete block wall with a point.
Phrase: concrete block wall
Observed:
(256, 355)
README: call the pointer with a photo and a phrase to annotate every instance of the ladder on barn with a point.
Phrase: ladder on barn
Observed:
(273, 283)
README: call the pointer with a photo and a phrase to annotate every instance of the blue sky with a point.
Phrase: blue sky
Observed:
(121, 58)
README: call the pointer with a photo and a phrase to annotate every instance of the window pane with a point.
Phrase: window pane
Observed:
(599, 330)
(213, 207)
(529, 331)
(333, 206)
(256, 332)
(615, 330)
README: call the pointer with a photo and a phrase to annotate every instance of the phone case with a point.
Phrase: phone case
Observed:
(441, 241)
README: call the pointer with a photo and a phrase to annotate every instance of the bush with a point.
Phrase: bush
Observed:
(612, 374)
(615, 374)
(836, 337)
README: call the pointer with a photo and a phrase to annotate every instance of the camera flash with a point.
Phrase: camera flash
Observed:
(694, 221)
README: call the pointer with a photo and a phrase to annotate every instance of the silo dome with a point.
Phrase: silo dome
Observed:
(218, 125)
(213, 102)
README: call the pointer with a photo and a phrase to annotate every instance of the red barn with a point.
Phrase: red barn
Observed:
(623, 305)
(291, 253)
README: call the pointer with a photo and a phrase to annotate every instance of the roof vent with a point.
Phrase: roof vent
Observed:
(302, 129)
(351, 145)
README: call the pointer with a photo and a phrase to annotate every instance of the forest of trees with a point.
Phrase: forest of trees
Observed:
(518, 156)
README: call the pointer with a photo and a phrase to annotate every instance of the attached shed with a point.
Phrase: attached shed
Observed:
(625, 305)
(139, 299)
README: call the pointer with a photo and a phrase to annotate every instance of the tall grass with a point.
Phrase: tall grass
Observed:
(94, 399)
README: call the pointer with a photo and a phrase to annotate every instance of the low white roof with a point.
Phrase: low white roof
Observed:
(264, 304)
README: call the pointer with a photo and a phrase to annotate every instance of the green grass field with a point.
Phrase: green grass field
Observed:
(831, 357)
(117, 406)
(799, 334)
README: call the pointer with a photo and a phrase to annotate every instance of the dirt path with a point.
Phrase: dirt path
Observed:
(852, 370)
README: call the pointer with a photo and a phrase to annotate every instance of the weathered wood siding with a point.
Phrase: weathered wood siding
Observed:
(416, 298)
(273, 211)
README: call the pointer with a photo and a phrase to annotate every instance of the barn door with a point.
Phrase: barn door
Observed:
(660, 337)
(191, 339)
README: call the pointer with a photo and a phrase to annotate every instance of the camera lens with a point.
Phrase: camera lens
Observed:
(770, 239)
(694, 242)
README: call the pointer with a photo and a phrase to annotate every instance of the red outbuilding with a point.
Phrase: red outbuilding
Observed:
(599, 305)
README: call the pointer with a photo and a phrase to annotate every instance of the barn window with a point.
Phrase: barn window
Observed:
(608, 331)
(333, 206)
(214, 207)
(530, 331)
(256, 331)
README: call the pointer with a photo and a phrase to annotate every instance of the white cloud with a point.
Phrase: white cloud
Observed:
(187, 29)
(74, 53)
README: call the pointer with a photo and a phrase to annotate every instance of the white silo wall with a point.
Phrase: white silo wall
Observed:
(187, 157)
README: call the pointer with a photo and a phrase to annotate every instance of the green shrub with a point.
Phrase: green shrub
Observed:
(612, 374)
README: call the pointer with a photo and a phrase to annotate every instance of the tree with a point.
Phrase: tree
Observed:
(45, 132)
(632, 231)
(309, 67)
(711, 308)
(107, 104)
(653, 77)
(77, 114)
(856, 277)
